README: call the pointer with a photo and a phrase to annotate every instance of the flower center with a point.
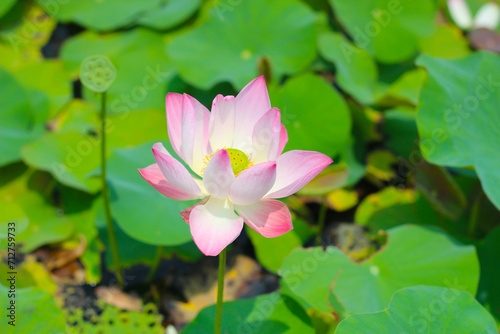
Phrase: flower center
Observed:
(239, 160)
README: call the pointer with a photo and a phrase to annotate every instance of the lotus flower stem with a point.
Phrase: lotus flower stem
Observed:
(321, 221)
(154, 267)
(220, 292)
(105, 196)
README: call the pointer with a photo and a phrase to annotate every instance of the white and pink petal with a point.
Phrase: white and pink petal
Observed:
(294, 169)
(174, 171)
(173, 106)
(253, 183)
(153, 175)
(187, 212)
(268, 217)
(283, 139)
(214, 225)
(221, 128)
(194, 140)
(218, 175)
(250, 105)
(266, 137)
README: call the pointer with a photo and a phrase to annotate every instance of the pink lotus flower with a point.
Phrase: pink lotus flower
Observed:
(236, 149)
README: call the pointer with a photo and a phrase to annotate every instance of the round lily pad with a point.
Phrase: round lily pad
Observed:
(271, 313)
(412, 256)
(387, 29)
(228, 46)
(424, 309)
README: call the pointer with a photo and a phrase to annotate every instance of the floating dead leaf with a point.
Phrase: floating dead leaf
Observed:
(116, 297)
(69, 274)
(58, 258)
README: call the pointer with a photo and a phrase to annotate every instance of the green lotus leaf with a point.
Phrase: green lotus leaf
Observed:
(238, 36)
(357, 71)
(458, 119)
(412, 256)
(36, 312)
(424, 309)
(390, 30)
(169, 13)
(100, 15)
(316, 119)
(271, 313)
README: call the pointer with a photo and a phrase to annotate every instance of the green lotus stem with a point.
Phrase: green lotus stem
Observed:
(220, 292)
(321, 221)
(156, 263)
(105, 196)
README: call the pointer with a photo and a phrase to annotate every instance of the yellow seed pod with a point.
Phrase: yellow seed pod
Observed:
(239, 160)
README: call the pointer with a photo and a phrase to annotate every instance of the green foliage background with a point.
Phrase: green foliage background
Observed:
(390, 89)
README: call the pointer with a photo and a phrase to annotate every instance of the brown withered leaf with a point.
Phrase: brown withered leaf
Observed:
(116, 297)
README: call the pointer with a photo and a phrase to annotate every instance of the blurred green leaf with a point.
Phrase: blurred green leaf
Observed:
(24, 31)
(145, 124)
(238, 35)
(271, 313)
(46, 223)
(331, 178)
(379, 165)
(458, 119)
(96, 14)
(447, 42)
(488, 293)
(132, 251)
(356, 69)
(5, 6)
(342, 199)
(48, 84)
(405, 90)
(410, 304)
(143, 69)
(69, 157)
(17, 120)
(412, 256)
(316, 118)
(349, 157)
(271, 251)
(393, 207)
(440, 189)
(389, 30)
(169, 13)
(36, 312)
(387, 197)
(12, 213)
(399, 128)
